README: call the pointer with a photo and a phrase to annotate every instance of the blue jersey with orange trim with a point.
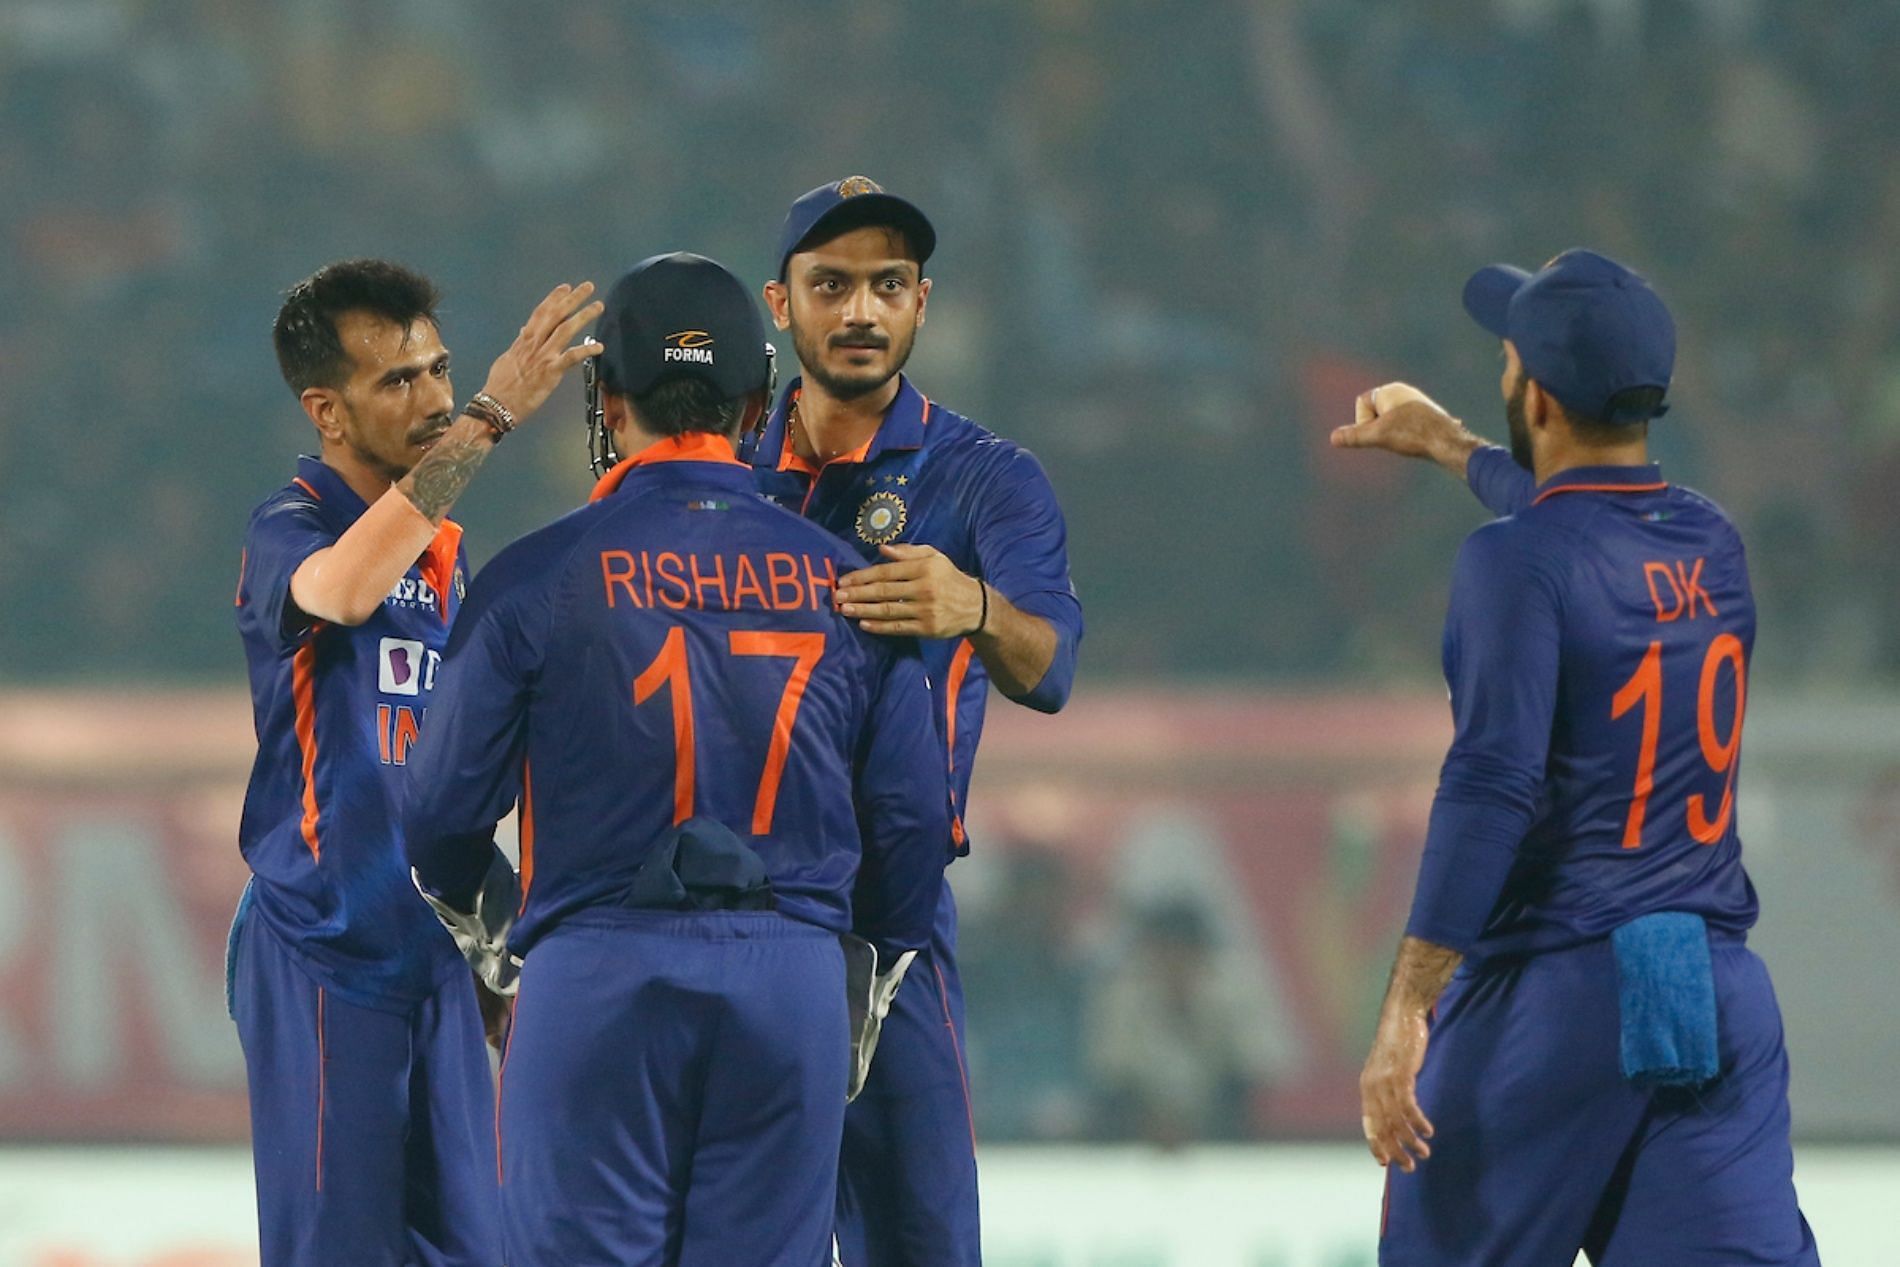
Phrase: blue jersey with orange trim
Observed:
(670, 651)
(337, 710)
(932, 477)
(1597, 650)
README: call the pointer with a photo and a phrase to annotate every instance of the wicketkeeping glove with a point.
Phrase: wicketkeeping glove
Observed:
(869, 994)
(482, 934)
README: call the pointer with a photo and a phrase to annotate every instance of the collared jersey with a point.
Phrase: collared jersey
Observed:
(337, 711)
(671, 651)
(1597, 650)
(932, 477)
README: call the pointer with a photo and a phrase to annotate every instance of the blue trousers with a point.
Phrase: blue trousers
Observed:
(673, 1092)
(1543, 1148)
(373, 1132)
(907, 1192)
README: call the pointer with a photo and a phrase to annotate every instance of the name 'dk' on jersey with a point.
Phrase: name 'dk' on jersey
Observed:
(1597, 651)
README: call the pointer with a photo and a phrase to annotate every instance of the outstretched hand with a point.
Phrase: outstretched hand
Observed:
(1401, 419)
(524, 376)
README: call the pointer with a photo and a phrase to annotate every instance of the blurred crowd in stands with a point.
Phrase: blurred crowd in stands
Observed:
(1176, 240)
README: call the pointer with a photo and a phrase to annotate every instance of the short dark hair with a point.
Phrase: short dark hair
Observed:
(309, 353)
(1624, 418)
(678, 405)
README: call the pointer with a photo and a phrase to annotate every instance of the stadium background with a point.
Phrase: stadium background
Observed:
(1176, 240)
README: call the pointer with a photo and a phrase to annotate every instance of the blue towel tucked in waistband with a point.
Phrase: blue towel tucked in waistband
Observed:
(1666, 988)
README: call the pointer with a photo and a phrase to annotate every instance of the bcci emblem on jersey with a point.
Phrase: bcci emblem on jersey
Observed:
(881, 518)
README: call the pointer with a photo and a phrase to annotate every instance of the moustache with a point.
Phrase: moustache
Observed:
(431, 430)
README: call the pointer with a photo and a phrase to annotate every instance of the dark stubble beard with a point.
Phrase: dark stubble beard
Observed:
(810, 349)
(1520, 428)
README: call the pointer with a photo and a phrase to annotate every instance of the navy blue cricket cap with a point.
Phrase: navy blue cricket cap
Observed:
(848, 204)
(682, 316)
(1585, 327)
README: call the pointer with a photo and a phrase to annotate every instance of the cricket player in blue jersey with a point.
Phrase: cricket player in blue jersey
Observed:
(967, 551)
(709, 759)
(371, 1096)
(1577, 1049)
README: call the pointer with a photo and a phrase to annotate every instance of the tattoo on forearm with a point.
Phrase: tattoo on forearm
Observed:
(1421, 971)
(443, 473)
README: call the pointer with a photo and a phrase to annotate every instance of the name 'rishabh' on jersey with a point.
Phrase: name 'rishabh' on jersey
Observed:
(672, 651)
(337, 710)
(1597, 650)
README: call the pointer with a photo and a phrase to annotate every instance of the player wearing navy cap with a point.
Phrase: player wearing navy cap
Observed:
(371, 1096)
(968, 552)
(1576, 1035)
(709, 760)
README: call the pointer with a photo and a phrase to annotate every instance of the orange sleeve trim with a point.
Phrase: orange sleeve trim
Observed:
(244, 560)
(1599, 488)
(952, 691)
(304, 699)
(438, 564)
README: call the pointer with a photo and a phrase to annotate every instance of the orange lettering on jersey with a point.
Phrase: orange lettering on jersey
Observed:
(828, 582)
(382, 731)
(617, 568)
(746, 581)
(407, 732)
(787, 593)
(1691, 587)
(717, 580)
(675, 578)
(1670, 610)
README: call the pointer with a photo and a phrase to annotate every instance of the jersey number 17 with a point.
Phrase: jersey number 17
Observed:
(670, 669)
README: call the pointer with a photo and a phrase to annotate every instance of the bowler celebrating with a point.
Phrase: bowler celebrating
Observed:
(371, 1096)
(968, 552)
(1577, 1049)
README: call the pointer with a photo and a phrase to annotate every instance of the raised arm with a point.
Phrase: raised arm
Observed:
(1400, 419)
(345, 583)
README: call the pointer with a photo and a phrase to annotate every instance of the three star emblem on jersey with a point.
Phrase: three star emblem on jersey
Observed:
(881, 518)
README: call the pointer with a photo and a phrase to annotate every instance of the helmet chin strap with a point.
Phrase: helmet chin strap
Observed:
(602, 454)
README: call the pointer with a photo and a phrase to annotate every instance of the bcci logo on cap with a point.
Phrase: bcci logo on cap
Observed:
(881, 518)
(852, 186)
(693, 347)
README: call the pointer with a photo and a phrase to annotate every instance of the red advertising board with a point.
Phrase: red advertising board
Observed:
(1293, 823)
